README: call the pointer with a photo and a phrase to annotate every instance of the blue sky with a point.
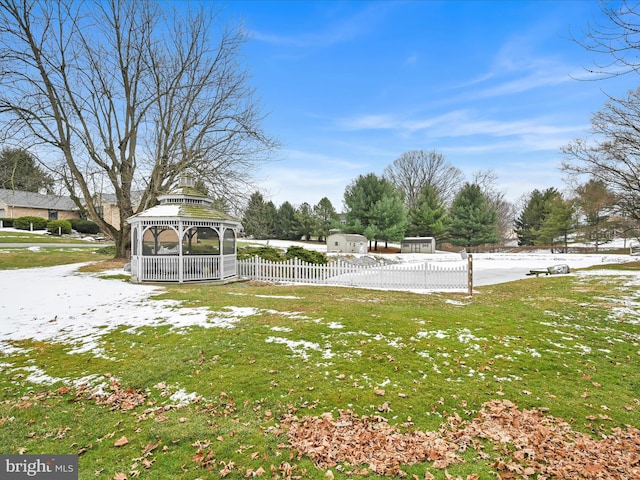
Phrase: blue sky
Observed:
(349, 86)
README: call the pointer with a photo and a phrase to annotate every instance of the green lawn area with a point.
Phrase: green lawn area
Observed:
(208, 402)
(14, 236)
(49, 255)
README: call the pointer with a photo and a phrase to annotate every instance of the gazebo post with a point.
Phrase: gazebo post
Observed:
(220, 232)
(180, 256)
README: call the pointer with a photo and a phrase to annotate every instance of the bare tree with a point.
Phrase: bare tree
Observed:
(614, 40)
(613, 155)
(128, 95)
(414, 170)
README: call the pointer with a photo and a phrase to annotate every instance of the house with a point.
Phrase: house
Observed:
(418, 245)
(346, 243)
(16, 203)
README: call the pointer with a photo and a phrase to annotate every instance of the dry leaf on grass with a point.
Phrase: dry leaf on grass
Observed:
(549, 446)
(367, 441)
(533, 444)
(121, 442)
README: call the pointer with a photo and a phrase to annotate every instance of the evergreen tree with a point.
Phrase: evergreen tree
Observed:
(428, 218)
(389, 218)
(327, 218)
(305, 221)
(285, 222)
(259, 217)
(473, 221)
(19, 170)
(530, 220)
(558, 223)
(372, 210)
(359, 197)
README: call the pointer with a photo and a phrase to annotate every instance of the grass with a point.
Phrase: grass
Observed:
(11, 258)
(28, 237)
(45, 256)
(213, 398)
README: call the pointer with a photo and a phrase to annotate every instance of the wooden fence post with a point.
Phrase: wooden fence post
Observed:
(470, 274)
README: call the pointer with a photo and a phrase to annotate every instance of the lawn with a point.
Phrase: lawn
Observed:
(17, 236)
(314, 382)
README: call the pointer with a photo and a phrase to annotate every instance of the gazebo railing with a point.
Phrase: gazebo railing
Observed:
(166, 268)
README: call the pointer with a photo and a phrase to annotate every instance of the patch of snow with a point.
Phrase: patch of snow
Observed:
(281, 329)
(182, 398)
(298, 347)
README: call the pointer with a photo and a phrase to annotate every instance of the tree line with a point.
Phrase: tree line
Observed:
(420, 195)
(406, 201)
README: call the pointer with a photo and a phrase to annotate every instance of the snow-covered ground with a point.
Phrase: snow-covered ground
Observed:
(78, 308)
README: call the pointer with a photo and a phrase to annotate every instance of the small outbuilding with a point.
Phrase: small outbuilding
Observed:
(418, 245)
(183, 239)
(346, 243)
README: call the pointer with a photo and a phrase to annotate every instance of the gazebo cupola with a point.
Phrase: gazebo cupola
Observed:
(183, 239)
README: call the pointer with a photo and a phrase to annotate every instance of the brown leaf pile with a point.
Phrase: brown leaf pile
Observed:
(114, 395)
(549, 447)
(369, 441)
(526, 443)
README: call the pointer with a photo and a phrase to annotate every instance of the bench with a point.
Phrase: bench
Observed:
(554, 270)
(538, 272)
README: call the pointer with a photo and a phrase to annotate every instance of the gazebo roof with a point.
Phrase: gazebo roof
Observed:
(184, 202)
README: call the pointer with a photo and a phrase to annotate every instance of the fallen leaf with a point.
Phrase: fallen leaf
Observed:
(121, 442)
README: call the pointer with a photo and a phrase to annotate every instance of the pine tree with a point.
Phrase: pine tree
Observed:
(19, 170)
(473, 221)
(259, 217)
(389, 218)
(529, 223)
(305, 221)
(558, 223)
(285, 222)
(428, 218)
(326, 217)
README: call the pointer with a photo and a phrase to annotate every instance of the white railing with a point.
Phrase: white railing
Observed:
(166, 268)
(420, 276)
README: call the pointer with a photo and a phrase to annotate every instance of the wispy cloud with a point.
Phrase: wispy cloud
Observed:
(518, 68)
(459, 123)
(342, 30)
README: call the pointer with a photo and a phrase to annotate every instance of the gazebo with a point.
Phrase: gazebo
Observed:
(183, 239)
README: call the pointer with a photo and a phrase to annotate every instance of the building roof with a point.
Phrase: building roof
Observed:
(18, 198)
(353, 237)
(200, 212)
(184, 202)
(417, 239)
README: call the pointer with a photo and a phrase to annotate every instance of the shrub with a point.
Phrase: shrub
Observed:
(24, 223)
(56, 227)
(309, 256)
(7, 222)
(276, 255)
(268, 253)
(84, 226)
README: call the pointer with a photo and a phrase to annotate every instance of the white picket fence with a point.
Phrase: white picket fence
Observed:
(416, 276)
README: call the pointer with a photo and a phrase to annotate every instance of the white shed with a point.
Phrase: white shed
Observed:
(346, 243)
(418, 245)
